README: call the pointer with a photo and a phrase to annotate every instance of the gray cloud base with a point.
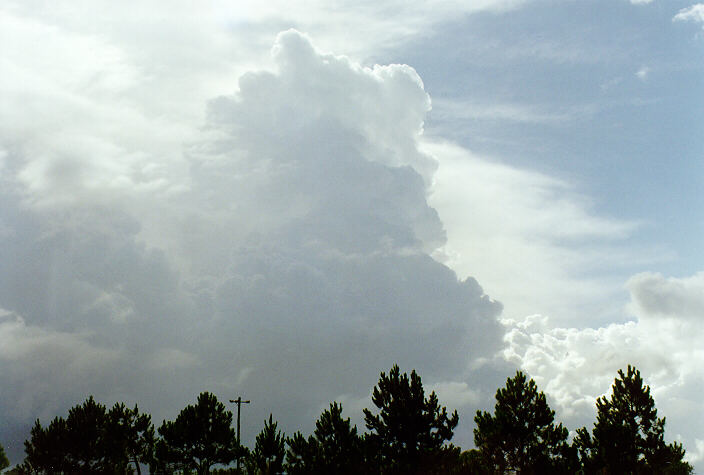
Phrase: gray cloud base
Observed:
(290, 265)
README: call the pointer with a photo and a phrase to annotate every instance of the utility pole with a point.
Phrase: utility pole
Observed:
(239, 403)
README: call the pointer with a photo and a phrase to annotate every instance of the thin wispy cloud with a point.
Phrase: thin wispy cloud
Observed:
(468, 110)
(492, 210)
(643, 73)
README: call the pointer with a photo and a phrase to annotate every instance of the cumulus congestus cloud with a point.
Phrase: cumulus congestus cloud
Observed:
(663, 339)
(284, 256)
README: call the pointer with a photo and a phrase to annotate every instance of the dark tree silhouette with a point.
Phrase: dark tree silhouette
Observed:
(409, 432)
(129, 437)
(472, 462)
(267, 458)
(90, 440)
(200, 437)
(302, 455)
(628, 437)
(46, 449)
(334, 447)
(76, 444)
(4, 461)
(85, 425)
(522, 436)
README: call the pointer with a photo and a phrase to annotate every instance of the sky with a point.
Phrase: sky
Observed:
(279, 202)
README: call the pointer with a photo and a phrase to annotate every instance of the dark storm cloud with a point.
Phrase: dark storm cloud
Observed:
(292, 266)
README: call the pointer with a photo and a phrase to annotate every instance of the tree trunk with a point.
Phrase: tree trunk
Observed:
(204, 468)
(136, 464)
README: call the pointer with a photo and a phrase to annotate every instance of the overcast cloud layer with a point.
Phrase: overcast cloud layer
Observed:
(209, 200)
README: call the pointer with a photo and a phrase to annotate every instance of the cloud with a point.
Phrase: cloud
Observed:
(575, 366)
(166, 228)
(693, 13)
(641, 2)
(459, 110)
(456, 395)
(58, 362)
(654, 296)
(283, 254)
(696, 454)
(328, 152)
(364, 24)
(643, 73)
(531, 235)
(201, 44)
(73, 127)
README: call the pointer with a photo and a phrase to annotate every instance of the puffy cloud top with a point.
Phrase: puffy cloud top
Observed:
(664, 341)
(284, 255)
(693, 13)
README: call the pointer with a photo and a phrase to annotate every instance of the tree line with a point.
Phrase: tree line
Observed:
(408, 432)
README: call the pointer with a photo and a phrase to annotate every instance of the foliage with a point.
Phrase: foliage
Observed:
(200, 437)
(90, 440)
(334, 447)
(4, 461)
(87, 444)
(267, 458)
(408, 434)
(521, 436)
(130, 437)
(628, 437)
(46, 449)
(472, 462)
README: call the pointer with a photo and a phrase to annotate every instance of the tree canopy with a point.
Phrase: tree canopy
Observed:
(131, 437)
(4, 461)
(521, 436)
(90, 440)
(200, 437)
(267, 458)
(409, 433)
(334, 447)
(628, 437)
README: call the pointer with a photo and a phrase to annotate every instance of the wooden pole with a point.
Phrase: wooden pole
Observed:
(239, 403)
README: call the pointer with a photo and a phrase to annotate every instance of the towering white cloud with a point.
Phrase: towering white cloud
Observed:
(166, 228)
(284, 255)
